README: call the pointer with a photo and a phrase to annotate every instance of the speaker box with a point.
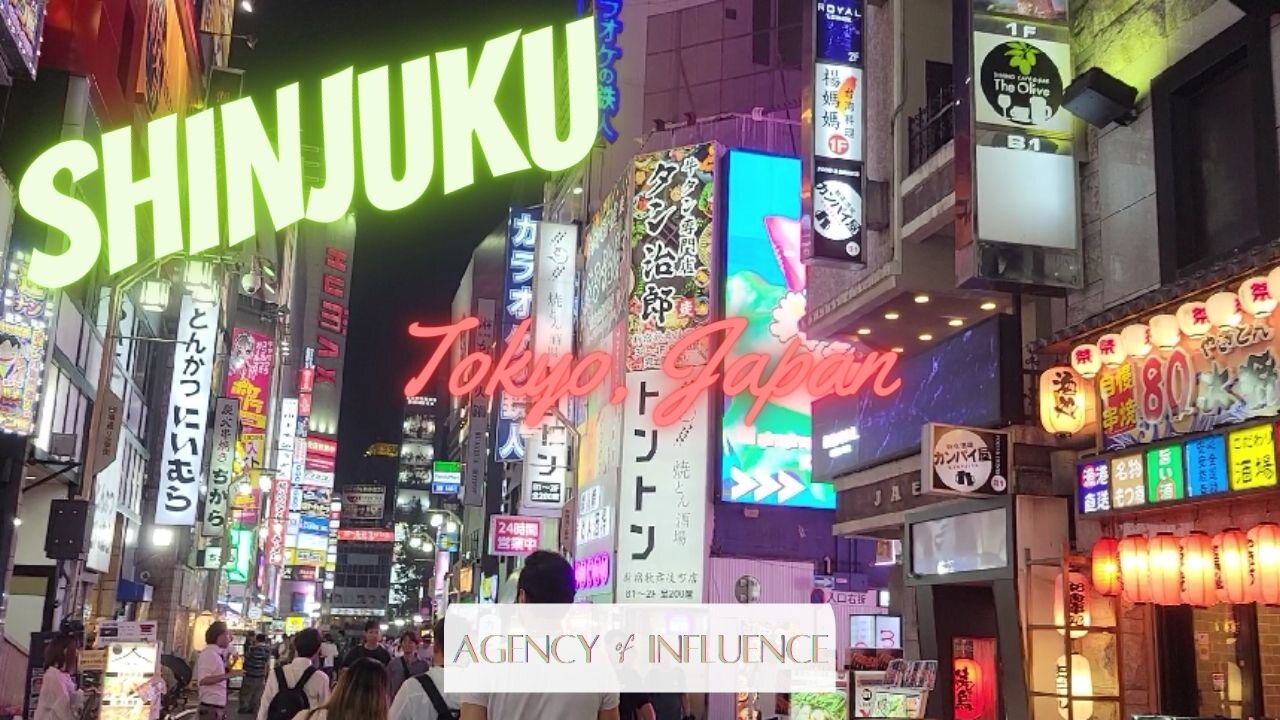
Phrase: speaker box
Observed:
(68, 533)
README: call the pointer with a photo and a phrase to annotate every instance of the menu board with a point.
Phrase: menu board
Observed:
(1206, 466)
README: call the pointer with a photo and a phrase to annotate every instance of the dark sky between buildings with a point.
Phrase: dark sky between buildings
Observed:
(408, 263)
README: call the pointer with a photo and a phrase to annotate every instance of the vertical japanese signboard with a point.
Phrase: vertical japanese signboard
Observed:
(249, 382)
(522, 237)
(277, 536)
(671, 231)
(608, 27)
(662, 518)
(835, 158)
(544, 488)
(1251, 455)
(188, 412)
(602, 328)
(1011, 71)
(24, 339)
(221, 460)
(478, 414)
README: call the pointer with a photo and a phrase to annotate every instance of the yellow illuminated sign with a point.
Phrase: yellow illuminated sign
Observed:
(1251, 457)
(183, 162)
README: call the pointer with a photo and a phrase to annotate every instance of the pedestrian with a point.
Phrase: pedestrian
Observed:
(670, 706)
(297, 686)
(212, 674)
(372, 647)
(59, 699)
(636, 706)
(361, 694)
(407, 664)
(423, 697)
(329, 656)
(546, 578)
(257, 659)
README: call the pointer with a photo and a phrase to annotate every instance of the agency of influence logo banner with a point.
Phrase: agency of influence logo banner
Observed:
(768, 648)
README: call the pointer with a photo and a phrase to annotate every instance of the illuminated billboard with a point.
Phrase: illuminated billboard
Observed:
(768, 462)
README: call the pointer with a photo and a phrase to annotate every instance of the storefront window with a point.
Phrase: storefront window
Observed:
(1072, 647)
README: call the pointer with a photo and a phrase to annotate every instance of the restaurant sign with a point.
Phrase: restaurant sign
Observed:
(1203, 466)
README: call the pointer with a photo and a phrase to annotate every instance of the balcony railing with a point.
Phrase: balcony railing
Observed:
(930, 128)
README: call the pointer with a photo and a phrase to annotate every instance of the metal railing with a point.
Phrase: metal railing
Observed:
(930, 128)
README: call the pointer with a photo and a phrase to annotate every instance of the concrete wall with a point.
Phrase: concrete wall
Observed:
(1134, 40)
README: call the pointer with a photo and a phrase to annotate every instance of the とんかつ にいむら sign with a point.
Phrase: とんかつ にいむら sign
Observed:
(188, 180)
(549, 381)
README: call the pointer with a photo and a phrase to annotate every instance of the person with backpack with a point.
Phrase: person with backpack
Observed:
(407, 664)
(422, 697)
(361, 694)
(296, 686)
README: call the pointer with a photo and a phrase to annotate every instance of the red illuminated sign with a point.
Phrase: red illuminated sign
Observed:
(512, 535)
(359, 535)
(843, 374)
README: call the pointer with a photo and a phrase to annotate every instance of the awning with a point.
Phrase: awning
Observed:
(1226, 274)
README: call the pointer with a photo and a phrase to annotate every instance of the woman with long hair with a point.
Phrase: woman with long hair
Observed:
(59, 699)
(362, 693)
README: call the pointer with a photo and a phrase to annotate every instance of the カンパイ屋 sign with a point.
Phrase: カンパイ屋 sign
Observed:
(966, 461)
(219, 157)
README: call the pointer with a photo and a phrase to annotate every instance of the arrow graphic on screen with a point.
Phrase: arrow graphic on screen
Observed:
(791, 487)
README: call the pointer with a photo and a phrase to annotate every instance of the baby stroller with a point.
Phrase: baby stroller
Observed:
(177, 677)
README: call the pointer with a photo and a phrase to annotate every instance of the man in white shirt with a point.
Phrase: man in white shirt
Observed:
(413, 702)
(212, 674)
(329, 656)
(306, 646)
(546, 578)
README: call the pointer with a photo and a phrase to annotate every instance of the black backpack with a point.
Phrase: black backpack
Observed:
(443, 711)
(289, 701)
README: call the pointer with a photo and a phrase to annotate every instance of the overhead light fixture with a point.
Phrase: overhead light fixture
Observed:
(415, 542)
(891, 315)
(436, 520)
(162, 537)
(988, 305)
(1101, 99)
(17, 522)
(417, 619)
(864, 331)
(451, 528)
(926, 337)
(921, 299)
(955, 322)
(246, 5)
(899, 350)
(577, 190)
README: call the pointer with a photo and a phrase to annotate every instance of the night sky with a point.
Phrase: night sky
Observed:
(407, 264)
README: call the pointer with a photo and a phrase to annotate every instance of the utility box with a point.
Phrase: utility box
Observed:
(68, 533)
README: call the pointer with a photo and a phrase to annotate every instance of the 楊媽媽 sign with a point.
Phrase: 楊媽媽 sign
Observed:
(186, 181)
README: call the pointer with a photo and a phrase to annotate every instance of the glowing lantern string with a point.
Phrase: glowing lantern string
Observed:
(969, 695)
(1231, 553)
(1164, 565)
(1133, 569)
(1106, 566)
(1198, 574)
(1264, 542)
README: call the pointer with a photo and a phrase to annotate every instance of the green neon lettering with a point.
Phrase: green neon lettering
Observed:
(384, 191)
(468, 108)
(546, 148)
(251, 159)
(204, 224)
(124, 193)
(39, 194)
(329, 203)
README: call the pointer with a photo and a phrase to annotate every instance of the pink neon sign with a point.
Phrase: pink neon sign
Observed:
(592, 572)
(547, 383)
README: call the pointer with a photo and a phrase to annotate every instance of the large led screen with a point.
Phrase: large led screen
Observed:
(767, 462)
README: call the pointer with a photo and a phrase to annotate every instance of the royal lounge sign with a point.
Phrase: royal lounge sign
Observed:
(182, 178)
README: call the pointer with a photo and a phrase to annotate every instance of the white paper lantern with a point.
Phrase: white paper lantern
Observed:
(1112, 349)
(1273, 282)
(1193, 319)
(1225, 310)
(1081, 687)
(1137, 340)
(1256, 297)
(1164, 332)
(1087, 360)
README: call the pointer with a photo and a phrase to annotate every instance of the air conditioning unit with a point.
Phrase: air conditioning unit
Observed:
(62, 445)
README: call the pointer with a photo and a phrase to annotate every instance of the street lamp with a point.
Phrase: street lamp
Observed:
(451, 528)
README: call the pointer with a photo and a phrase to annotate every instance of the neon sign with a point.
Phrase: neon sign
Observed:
(842, 374)
(183, 170)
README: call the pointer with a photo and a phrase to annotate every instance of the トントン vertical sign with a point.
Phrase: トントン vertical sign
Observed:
(188, 412)
(835, 159)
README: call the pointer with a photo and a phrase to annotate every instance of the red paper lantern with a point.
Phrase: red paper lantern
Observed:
(970, 697)
(1164, 563)
(1231, 556)
(1106, 566)
(1264, 545)
(1199, 588)
(1134, 574)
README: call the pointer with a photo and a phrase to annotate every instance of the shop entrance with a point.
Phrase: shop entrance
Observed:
(1217, 661)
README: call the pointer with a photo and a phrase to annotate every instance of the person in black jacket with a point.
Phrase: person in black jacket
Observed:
(372, 647)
